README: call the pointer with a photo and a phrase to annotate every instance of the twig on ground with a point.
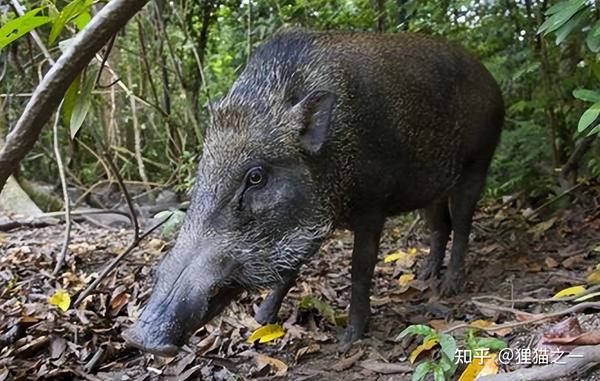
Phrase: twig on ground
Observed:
(95, 361)
(534, 300)
(60, 260)
(85, 212)
(533, 214)
(494, 307)
(580, 360)
(29, 223)
(537, 318)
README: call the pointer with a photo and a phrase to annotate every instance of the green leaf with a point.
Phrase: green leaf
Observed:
(563, 32)
(417, 329)
(83, 101)
(310, 302)
(587, 95)
(557, 8)
(175, 220)
(67, 14)
(593, 42)
(588, 117)
(82, 20)
(69, 100)
(594, 131)
(490, 343)
(421, 370)
(448, 345)
(438, 373)
(22, 25)
(560, 17)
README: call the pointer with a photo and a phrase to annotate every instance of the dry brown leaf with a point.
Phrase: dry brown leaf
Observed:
(551, 262)
(118, 300)
(347, 362)
(280, 367)
(438, 324)
(209, 343)
(573, 261)
(567, 328)
(534, 268)
(586, 338)
(385, 367)
(304, 351)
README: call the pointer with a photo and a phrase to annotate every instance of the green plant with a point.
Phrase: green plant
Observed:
(477, 343)
(175, 219)
(444, 367)
(563, 19)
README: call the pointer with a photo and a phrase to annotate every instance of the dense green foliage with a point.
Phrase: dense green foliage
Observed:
(151, 105)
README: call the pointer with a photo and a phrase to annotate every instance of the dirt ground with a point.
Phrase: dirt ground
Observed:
(509, 257)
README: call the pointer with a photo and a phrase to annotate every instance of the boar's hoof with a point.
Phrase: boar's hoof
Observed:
(452, 283)
(350, 335)
(431, 269)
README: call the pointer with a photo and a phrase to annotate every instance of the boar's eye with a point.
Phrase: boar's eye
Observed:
(255, 177)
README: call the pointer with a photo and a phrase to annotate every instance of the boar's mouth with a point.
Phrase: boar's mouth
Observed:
(168, 322)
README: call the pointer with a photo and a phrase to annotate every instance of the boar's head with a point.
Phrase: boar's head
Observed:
(259, 208)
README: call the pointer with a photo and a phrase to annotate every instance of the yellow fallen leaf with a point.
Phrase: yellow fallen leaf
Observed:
(471, 371)
(477, 369)
(482, 323)
(396, 255)
(266, 333)
(570, 291)
(412, 251)
(405, 279)
(402, 259)
(61, 299)
(279, 366)
(490, 367)
(594, 277)
(422, 348)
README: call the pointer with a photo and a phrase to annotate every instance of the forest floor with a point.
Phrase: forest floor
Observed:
(510, 257)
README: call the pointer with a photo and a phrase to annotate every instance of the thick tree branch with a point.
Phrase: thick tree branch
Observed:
(52, 88)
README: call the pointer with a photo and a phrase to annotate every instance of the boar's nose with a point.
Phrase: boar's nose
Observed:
(143, 337)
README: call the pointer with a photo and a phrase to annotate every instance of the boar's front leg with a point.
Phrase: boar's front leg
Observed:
(269, 308)
(364, 257)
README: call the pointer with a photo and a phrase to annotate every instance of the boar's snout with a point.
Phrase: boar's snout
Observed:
(140, 336)
(184, 298)
(164, 325)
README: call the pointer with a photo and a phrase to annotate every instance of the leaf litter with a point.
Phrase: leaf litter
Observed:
(42, 336)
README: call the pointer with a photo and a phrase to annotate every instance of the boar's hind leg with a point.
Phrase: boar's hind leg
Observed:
(438, 219)
(364, 257)
(269, 308)
(463, 200)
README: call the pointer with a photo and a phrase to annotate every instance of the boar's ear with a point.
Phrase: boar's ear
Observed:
(315, 112)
